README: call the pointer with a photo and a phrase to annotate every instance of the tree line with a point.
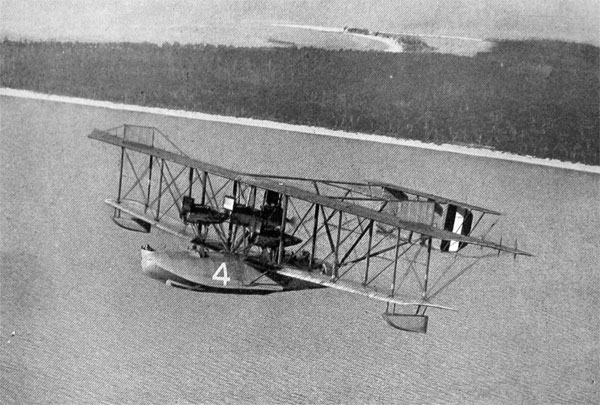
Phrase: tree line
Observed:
(538, 98)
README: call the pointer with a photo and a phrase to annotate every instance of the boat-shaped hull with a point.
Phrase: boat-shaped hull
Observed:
(216, 272)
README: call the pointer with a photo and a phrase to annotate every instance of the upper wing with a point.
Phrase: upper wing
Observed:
(183, 160)
(383, 218)
(398, 192)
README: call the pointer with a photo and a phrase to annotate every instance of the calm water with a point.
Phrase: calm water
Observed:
(246, 23)
(90, 328)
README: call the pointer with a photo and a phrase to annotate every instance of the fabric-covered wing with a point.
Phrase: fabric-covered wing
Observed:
(383, 218)
(355, 288)
(166, 224)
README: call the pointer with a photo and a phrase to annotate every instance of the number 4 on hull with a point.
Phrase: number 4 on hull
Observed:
(221, 274)
(261, 234)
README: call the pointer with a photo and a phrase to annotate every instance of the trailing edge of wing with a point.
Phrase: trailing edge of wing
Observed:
(355, 288)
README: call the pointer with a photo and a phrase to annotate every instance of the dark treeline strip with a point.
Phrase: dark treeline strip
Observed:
(538, 98)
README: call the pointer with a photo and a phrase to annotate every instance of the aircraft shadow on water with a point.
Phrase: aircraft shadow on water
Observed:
(260, 234)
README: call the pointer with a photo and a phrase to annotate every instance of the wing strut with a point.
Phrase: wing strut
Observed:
(231, 223)
(429, 241)
(336, 262)
(160, 184)
(314, 237)
(282, 230)
(121, 174)
(203, 198)
(369, 246)
(395, 271)
(191, 181)
(149, 180)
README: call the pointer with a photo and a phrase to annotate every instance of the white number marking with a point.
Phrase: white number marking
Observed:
(222, 268)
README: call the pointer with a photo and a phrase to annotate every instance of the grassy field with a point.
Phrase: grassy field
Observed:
(538, 98)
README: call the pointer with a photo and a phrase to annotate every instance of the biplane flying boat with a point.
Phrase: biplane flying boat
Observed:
(260, 234)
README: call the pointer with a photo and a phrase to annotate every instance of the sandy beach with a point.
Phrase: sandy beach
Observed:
(471, 151)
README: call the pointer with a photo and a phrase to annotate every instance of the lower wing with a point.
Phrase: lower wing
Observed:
(353, 287)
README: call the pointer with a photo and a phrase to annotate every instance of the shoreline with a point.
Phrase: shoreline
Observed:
(392, 45)
(464, 150)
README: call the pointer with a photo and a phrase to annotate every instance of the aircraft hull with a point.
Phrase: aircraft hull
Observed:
(215, 272)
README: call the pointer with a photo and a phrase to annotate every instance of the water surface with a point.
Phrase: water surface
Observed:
(249, 23)
(91, 328)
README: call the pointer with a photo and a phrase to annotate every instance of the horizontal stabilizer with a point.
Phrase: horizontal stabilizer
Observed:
(353, 287)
